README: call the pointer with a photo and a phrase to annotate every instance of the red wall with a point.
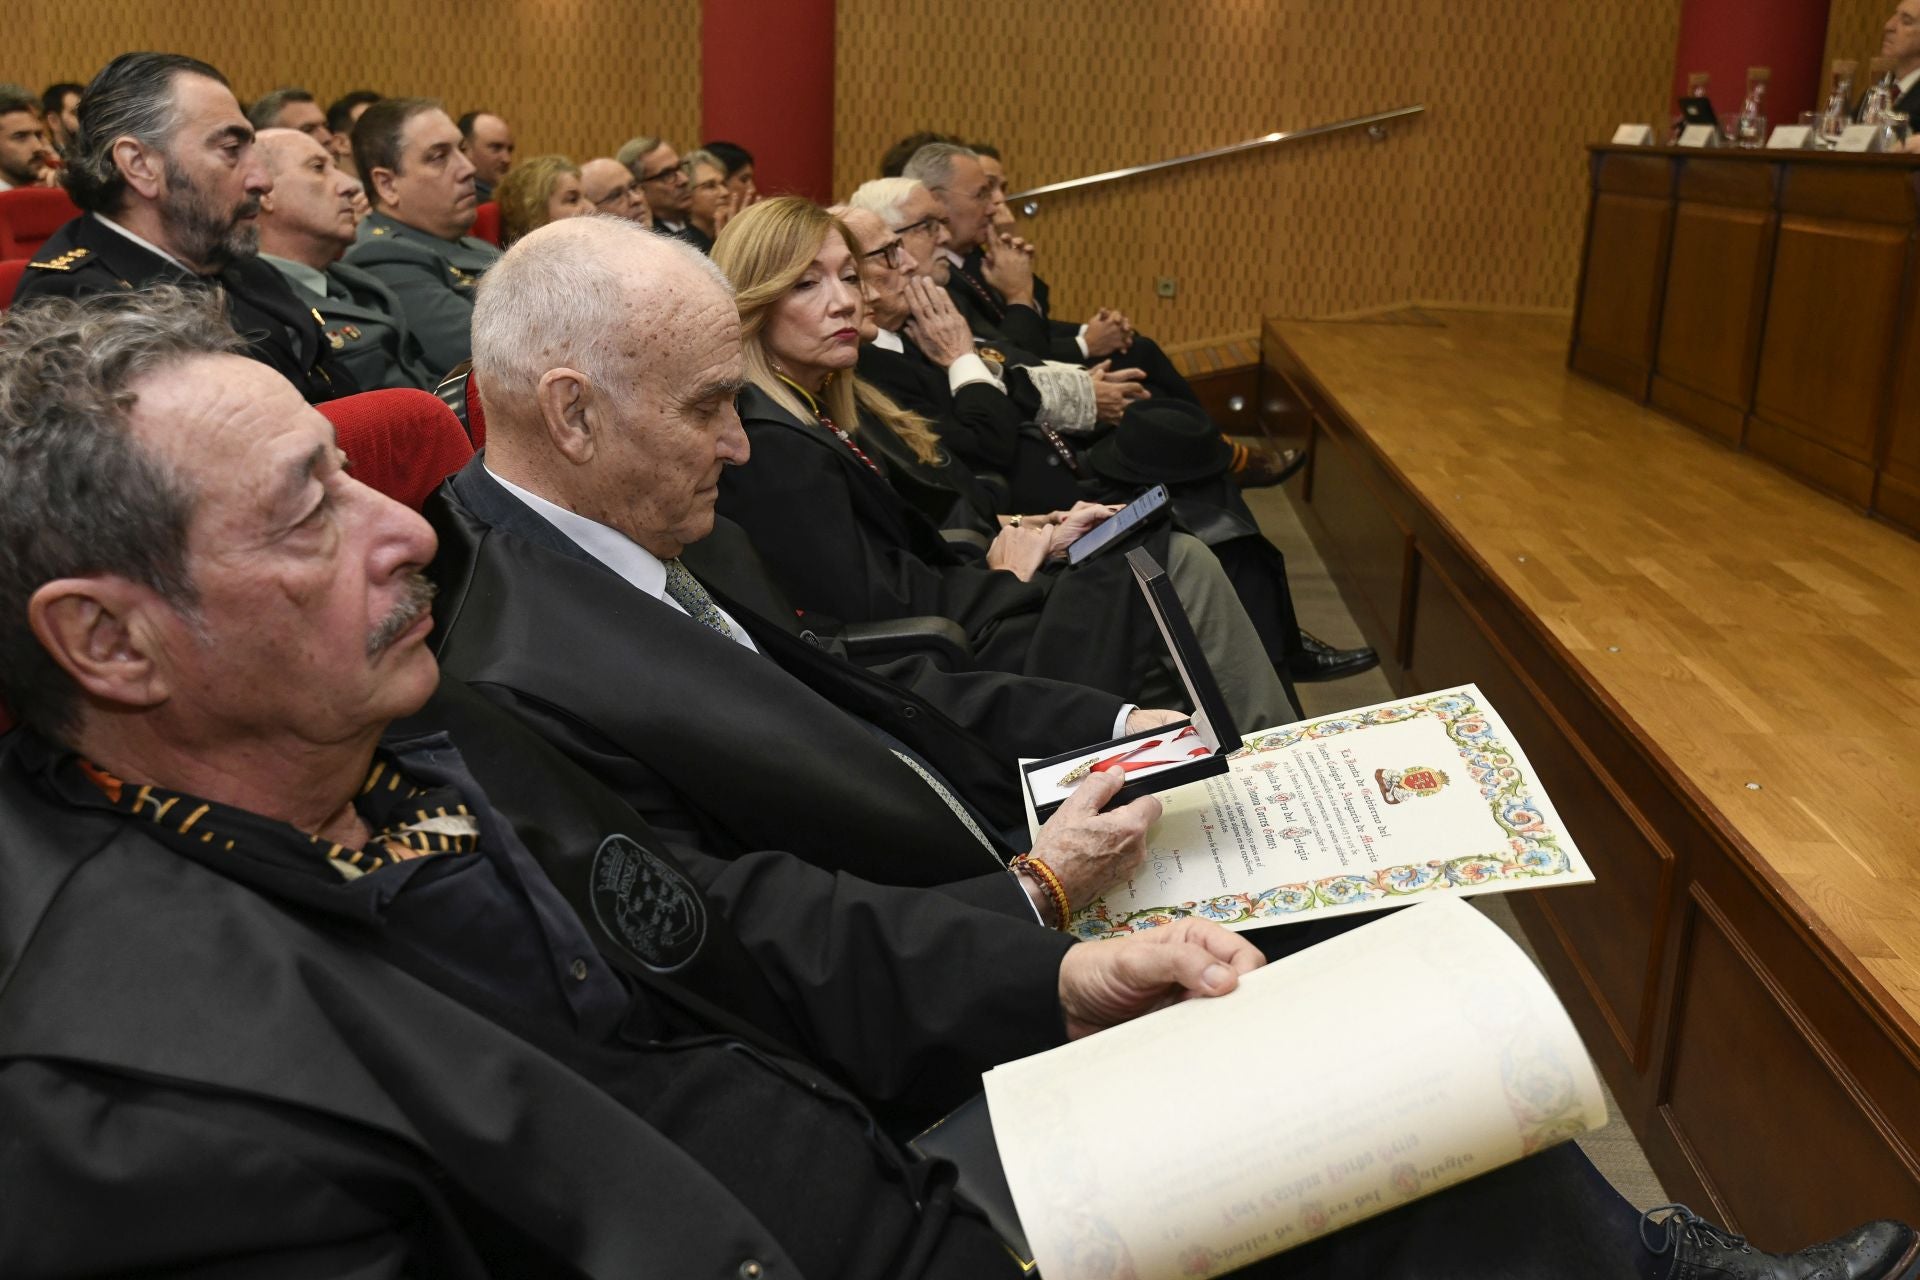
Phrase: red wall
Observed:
(1725, 37)
(766, 82)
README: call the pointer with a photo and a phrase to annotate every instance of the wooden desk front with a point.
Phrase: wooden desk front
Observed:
(1769, 299)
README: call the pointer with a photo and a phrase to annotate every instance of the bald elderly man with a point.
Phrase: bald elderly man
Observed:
(612, 189)
(306, 222)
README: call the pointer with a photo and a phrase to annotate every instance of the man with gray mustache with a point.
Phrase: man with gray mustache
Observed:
(164, 167)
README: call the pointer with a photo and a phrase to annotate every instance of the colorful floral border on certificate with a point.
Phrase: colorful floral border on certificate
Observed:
(1532, 852)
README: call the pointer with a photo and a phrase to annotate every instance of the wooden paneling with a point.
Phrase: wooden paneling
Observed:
(1826, 360)
(1714, 677)
(577, 77)
(1715, 294)
(1787, 301)
(1753, 1088)
(1460, 205)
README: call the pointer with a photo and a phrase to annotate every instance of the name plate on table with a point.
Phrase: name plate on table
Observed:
(1633, 135)
(1791, 137)
(1859, 137)
(1700, 135)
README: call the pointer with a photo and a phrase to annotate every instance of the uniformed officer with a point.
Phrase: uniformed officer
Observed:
(306, 221)
(415, 242)
(165, 166)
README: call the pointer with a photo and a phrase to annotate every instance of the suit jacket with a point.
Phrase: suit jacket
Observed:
(434, 280)
(293, 1091)
(984, 427)
(686, 725)
(365, 326)
(838, 539)
(695, 237)
(83, 258)
(1909, 104)
(992, 318)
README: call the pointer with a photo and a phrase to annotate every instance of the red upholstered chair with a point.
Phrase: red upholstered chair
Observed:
(28, 215)
(10, 272)
(486, 222)
(401, 441)
(476, 414)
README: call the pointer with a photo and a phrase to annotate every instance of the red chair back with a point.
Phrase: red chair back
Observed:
(10, 272)
(476, 414)
(28, 215)
(403, 442)
(486, 222)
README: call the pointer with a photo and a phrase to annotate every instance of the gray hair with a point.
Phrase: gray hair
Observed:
(133, 97)
(265, 114)
(78, 495)
(933, 163)
(633, 148)
(884, 196)
(705, 157)
(559, 297)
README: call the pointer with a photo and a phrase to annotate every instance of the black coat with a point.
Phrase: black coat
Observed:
(839, 540)
(723, 748)
(85, 258)
(203, 1074)
(984, 427)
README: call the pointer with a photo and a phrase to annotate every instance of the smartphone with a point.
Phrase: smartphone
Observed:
(1117, 525)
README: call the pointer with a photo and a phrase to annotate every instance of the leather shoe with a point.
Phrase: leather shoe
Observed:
(1316, 660)
(1698, 1250)
(1256, 467)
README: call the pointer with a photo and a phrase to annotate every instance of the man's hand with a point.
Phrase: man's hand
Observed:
(935, 325)
(1103, 984)
(1115, 389)
(1067, 526)
(1141, 719)
(1090, 850)
(1020, 549)
(1107, 333)
(1008, 268)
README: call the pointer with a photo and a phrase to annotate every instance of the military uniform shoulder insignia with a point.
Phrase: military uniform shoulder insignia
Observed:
(379, 231)
(64, 262)
(461, 278)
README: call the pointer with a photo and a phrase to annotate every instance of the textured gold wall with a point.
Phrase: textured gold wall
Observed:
(1853, 30)
(574, 76)
(1481, 201)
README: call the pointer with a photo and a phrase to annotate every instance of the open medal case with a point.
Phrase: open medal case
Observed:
(1160, 758)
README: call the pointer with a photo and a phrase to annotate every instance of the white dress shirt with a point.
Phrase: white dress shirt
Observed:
(614, 549)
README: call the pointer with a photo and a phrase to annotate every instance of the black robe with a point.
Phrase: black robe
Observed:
(838, 539)
(203, 1074)
(726, 749)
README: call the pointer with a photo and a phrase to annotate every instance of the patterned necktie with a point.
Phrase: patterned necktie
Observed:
(687, 592)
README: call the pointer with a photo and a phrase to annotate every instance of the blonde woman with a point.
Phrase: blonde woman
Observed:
(536, 192)
(842, 542)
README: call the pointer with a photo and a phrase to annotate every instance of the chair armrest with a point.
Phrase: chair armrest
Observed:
(942, 639)
(966, 538)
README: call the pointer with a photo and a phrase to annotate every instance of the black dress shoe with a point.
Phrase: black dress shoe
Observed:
(1695, 1249)
(1315, 660)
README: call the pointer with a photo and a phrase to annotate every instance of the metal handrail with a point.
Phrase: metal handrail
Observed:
(1373, 124)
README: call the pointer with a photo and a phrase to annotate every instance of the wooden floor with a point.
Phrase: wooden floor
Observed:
(1763, 639)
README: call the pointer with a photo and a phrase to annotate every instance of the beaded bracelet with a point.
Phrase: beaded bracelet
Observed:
(1050, 882)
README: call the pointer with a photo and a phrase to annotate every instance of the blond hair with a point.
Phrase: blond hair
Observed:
(764, 251)
(524, 192)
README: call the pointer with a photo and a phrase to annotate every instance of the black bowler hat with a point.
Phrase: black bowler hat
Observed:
(1162, 442)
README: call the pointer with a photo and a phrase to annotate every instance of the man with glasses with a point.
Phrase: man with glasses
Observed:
(610, 189)
(994, 286)
(663, 181)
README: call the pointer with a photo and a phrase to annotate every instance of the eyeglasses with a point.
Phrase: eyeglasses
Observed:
(925, 227)
(667, 172)
(888, 253)
(617, 194)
